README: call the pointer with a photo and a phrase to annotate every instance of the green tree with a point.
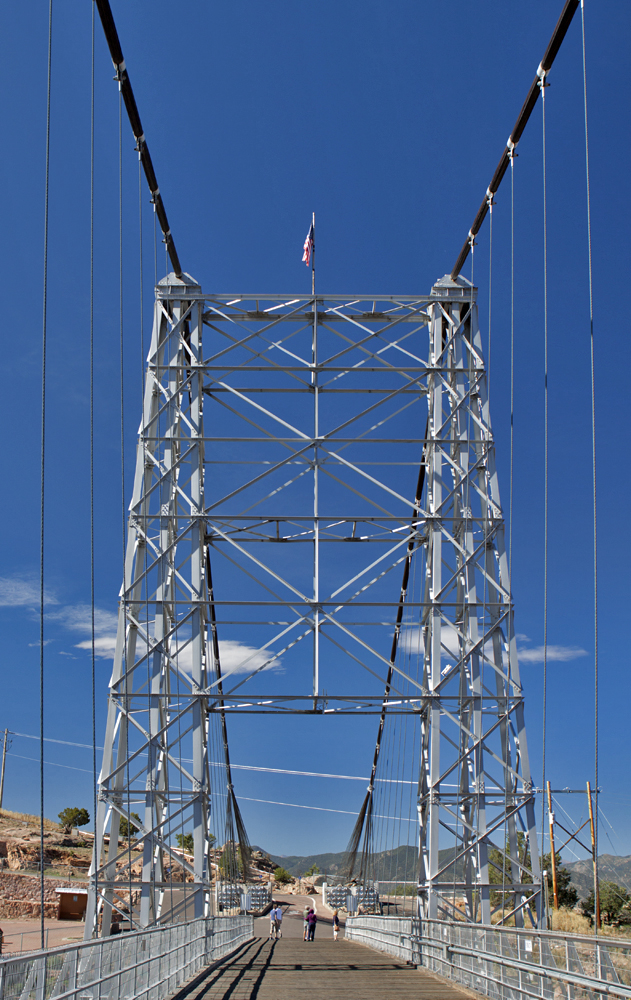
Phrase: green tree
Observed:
(185, 841)
(282, 876)
(314, 870)
(73, 817)
(612, 900)
(500, 871)
(125, 826)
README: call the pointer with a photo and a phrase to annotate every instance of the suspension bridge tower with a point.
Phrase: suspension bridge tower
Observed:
(294, 454)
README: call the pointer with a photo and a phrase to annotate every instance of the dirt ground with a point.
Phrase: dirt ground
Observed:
(24, 935)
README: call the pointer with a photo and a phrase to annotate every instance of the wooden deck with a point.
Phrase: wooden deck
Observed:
(321, 970)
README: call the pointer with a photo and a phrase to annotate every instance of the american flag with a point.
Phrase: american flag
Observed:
(309, 246)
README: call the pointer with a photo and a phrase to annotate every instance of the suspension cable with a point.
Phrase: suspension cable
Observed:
(96, 860)
(43, 482)
(488, 358)
(593, 401)
(512, 155)
(545, 65)
(545, 453)
(116, 52)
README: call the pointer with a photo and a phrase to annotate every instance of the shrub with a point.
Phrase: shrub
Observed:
(282, 876)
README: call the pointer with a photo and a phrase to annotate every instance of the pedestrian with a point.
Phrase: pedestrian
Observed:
(272, 921)
(312, 920)
(336, 925)
(279, 920)
(305, 917)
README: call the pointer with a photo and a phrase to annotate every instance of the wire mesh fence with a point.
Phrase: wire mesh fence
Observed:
(504, 963)
(145, 964)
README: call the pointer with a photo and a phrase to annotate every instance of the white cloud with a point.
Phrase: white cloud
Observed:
(22, 593)
(104, 646)
(412, 641)
(560, 653)
(78, 618)
(237, 658)
(46, 641)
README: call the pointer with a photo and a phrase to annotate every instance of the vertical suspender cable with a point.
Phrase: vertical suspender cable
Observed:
(595, 523)
(122, 431)
(42, 484)
(510, 497)
(94, 779)
(545, 452)
(142, 332)
(120, 289)
(488, 359)
(512, 366)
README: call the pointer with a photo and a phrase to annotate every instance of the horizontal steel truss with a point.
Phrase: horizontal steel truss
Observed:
(164, 687)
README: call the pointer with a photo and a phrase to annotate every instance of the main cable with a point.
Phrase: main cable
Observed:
(559, 33)
(594, 497)
(43, 483)
(116, 52)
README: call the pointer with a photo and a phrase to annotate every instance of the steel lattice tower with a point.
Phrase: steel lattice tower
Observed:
(282, 444)
(475, 781)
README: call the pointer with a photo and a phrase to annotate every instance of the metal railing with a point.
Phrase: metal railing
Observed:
(144, 964)
(504, 963)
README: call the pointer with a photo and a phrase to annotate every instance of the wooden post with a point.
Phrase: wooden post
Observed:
(4, 758)
(594, 858)
(552, 852)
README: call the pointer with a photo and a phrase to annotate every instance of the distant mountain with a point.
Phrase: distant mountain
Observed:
(611, 868)
(400, 864)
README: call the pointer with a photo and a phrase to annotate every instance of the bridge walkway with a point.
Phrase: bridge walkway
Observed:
(290, 968)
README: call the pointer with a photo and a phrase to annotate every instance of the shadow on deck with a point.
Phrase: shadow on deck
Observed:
(286, 969)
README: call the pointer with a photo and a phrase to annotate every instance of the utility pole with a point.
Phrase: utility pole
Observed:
(594, 858)
(4, 759)
(552, 853)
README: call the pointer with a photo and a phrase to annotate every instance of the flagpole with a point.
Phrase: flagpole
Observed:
(313, 257)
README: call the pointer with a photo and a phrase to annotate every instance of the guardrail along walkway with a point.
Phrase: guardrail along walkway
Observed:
(290, 968)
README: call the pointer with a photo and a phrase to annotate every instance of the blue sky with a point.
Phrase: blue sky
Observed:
(388, 121)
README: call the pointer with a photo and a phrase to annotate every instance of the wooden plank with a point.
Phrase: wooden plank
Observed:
(342, 970)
